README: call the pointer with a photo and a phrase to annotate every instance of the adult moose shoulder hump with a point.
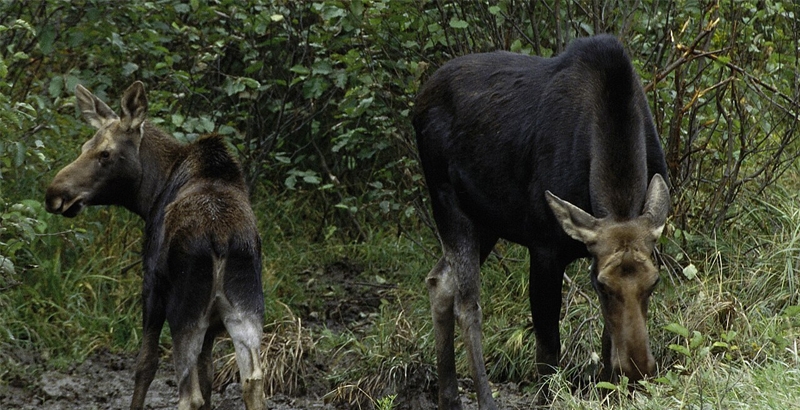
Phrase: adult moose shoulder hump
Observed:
(202, 251)
(561, 156)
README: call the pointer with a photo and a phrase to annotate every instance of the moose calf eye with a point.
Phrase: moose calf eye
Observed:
(105, 155)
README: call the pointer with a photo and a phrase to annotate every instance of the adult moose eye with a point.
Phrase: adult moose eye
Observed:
(105, 155)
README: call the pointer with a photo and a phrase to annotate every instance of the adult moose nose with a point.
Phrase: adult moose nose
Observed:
(635, 365)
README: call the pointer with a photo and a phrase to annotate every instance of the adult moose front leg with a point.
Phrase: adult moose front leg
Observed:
(546, 278)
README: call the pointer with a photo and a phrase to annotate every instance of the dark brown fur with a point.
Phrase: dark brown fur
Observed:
(202, 251)
(497, 132)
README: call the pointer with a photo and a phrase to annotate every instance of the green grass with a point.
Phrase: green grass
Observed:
(726, 337)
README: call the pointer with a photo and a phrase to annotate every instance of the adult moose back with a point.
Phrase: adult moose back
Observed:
(517, 147)
(202, 252)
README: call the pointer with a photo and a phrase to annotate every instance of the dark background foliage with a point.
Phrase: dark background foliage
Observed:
(316, 99)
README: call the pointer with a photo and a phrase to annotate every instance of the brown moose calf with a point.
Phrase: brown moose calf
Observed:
(202, 252)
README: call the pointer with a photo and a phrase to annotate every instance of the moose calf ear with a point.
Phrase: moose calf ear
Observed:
(578, 224)
(96, 112)
(134, 106)
(656, 206)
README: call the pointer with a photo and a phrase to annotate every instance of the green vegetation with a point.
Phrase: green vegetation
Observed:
(316, 97)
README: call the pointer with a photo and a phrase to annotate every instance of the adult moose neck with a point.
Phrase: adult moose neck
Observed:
(618, 173)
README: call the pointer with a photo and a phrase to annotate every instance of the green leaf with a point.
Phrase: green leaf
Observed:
(357, 8)
(697, 340)
(290, 181)
(298, 69)
(56, 86)
(458, 23)
(129, 68)
(680, 349)
(677, 329)
(607, 386)
(690, 271)
(516, 46)
(233, 87)
(19, 159)
(791, 311)
(178, 119)
(6, 266)
(47, 36)
(322, 67)
(207, 124)
(720, 345)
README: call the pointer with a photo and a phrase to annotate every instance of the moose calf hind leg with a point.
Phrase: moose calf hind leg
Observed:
(246, 336)
(187, 347)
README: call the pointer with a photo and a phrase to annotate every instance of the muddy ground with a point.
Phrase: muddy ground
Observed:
(105, 379)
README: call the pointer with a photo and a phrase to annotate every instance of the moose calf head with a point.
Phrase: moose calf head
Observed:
(623, 275)
(108, 170)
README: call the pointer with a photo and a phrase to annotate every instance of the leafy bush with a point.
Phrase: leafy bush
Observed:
(317, 97)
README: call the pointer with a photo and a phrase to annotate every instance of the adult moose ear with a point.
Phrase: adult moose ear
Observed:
(134, 106)
(656, 205)
(577, 223)
(96, 112)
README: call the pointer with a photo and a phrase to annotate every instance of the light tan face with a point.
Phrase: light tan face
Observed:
(624, 277)
(107, 166)
(108, 170)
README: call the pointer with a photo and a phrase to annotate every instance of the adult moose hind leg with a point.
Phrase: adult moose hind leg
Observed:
(441, 287)
(454, 291)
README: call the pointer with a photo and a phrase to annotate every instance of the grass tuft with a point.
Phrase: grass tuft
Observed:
(285, 348)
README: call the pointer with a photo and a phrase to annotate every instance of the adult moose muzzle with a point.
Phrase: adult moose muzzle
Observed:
(202, 251)
(554, 154)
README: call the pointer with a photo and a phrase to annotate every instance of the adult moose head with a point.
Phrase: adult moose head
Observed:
(517, 147)
(202, 252)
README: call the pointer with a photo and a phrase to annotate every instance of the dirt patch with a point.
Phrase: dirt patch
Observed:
(347, 297)
(105, 381)
(349, 300)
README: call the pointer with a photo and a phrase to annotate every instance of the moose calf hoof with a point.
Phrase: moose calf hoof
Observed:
(253, 392)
